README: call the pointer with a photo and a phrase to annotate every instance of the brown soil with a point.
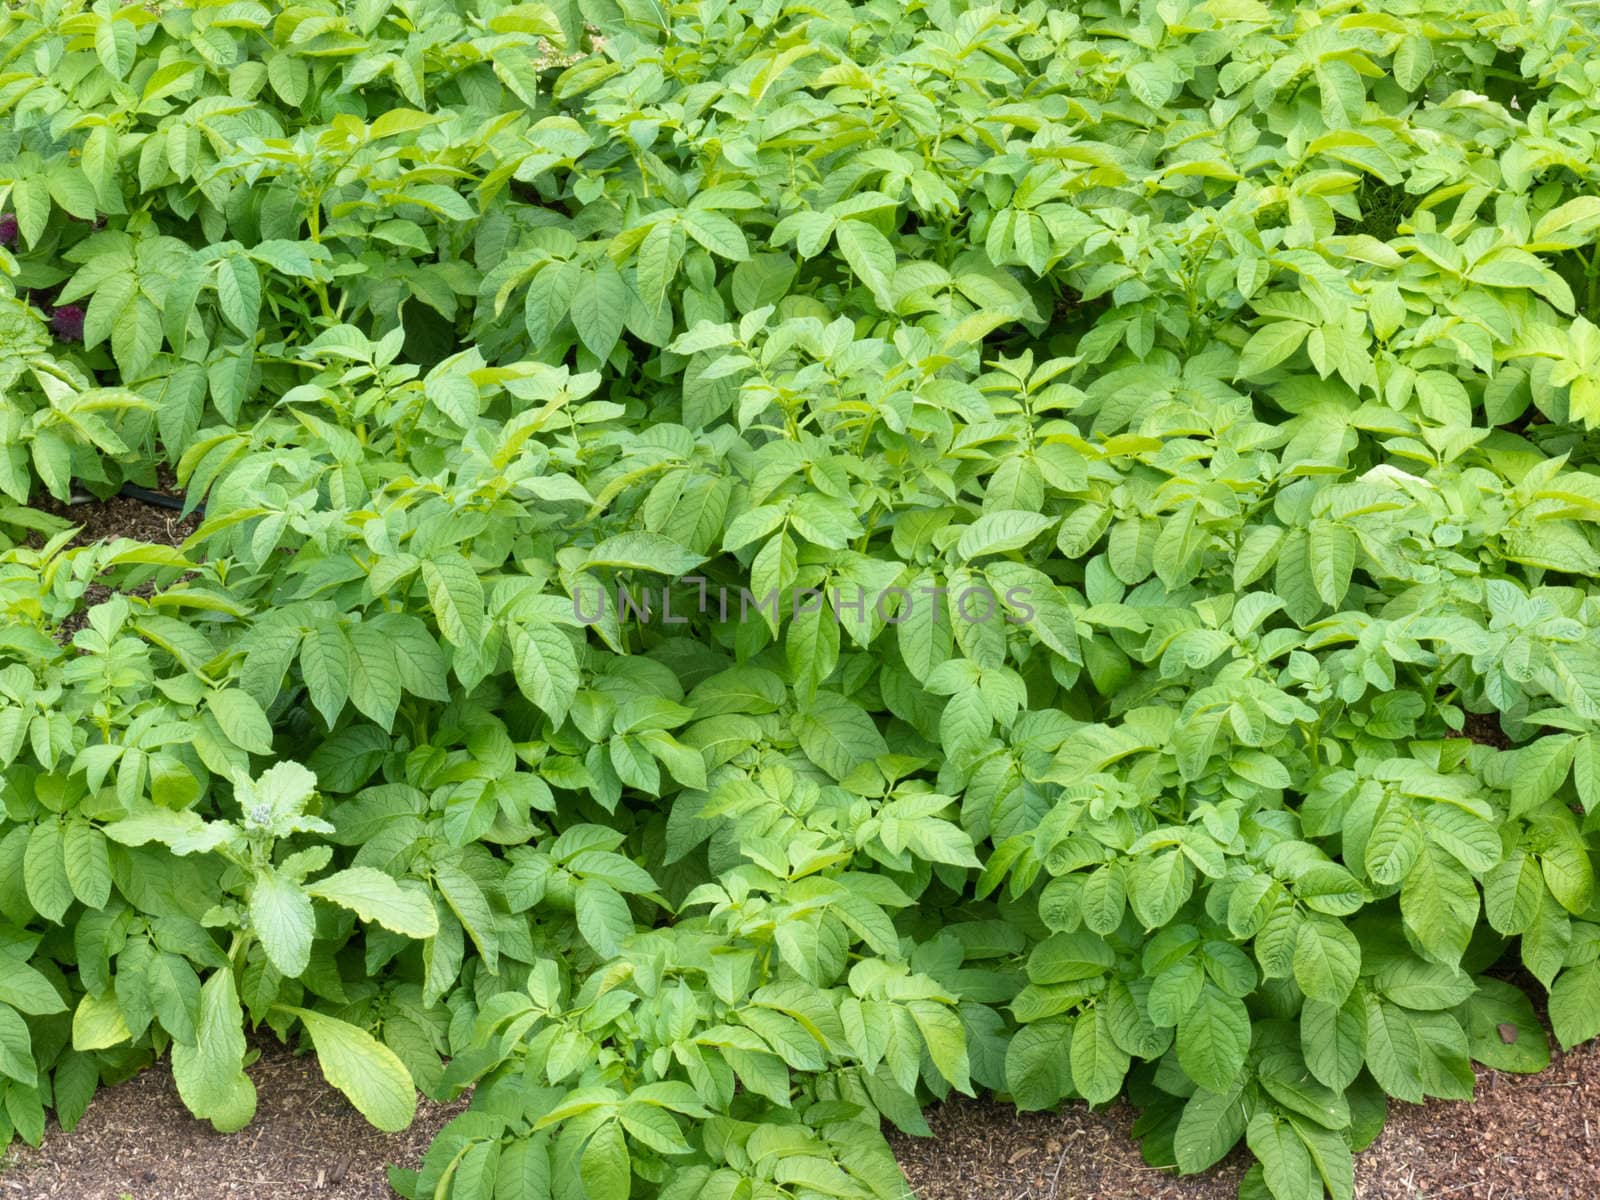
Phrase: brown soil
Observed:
(121, 516)
(981, 1150)
(137, 1140)
(106, 520)
(1484, 728)
(1524, 1138)
(1533, 1137)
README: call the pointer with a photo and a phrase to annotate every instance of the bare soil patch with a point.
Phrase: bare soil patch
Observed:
(1525, 1137)
(137, 1140)
(1531, 1137)
(124, 516)
(112, 518)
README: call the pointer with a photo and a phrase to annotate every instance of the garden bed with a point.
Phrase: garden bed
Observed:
(1137, 468)
(1526, 1137)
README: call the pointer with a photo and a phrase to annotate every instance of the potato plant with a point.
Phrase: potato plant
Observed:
(764, 564)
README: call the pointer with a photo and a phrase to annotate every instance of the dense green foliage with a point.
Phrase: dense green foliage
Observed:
(1133, 442)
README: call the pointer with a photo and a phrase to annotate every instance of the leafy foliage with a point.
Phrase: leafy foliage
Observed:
(1090, 468)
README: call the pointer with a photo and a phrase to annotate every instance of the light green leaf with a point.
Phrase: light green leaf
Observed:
(456, 597)
(1270, 345)
(242, 719)
(44, 870)
(363, 1068)
(281, 916)
(645, 552)
(97, 1024)
(375, 896)
(1327, 959)
(546, 667)
(209, 1073)
(717, 234)
(998, 532)
(88, 863)
(870, 256)
(1575, 1005)
(837, 735)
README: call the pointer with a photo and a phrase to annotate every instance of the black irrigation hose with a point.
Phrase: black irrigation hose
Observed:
(144, 496)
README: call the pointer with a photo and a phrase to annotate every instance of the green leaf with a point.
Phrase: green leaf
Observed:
(549, 299)
(1505, 1032)
(1213, 1039)
(1038, 1065)
(1069, 958)
(239, 293)
(599, 304)
(1285, 1160)
(1099, 1065)
(524, 1170)
(1574, 1012)
(97, 1024)
(660, 255)
(135, 337)
(467, 901)
(1394, 844)
(209, 1073)
(16, 1049)
(645, 552)
(281, 916)
(456, 597)
(1269, 346)
(1439, 902)
(1394, 1056)
(546, 667)
(603, 917)
(88, 863)
(116, 45)
(1331, 1155)
(375, 680)
(1413, 59)
(998, 532)
(364, 1069)
(606, 1168)
(242, 720)
(26, 990)
(174, 994)
(44, 870)
(1327, 959)
(717, 234)
(870, 256)
(837, 735)
(374, 896)
(1331, 549)
(326, 667)
(1211, 1125)
(1103, 900)
(1333, 1039)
